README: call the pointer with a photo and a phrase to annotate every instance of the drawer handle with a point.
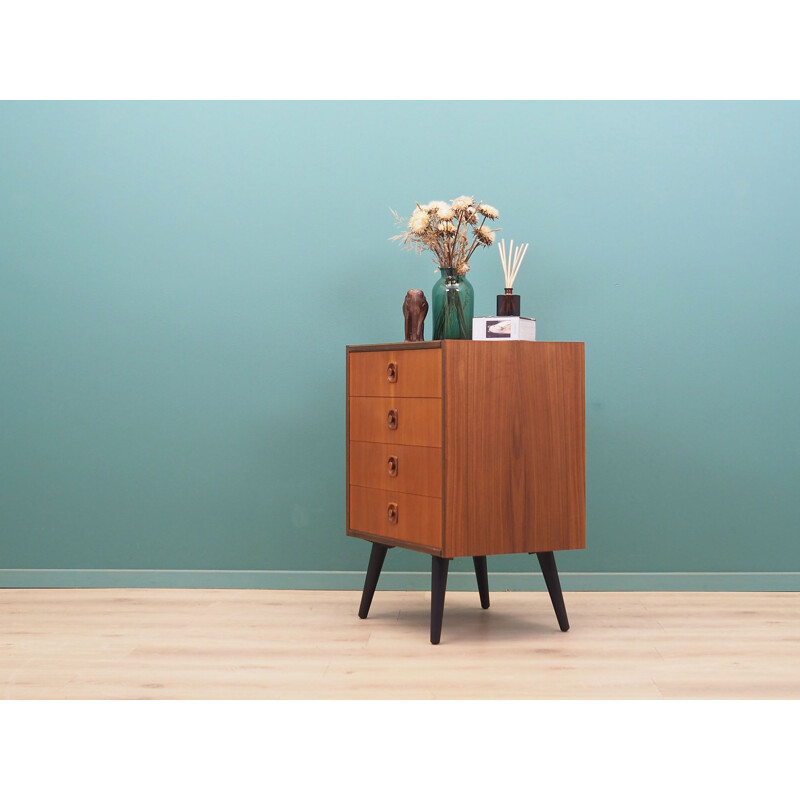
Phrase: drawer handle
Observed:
(393, 466)
(391, 419)
(391, 512)
(391, 372)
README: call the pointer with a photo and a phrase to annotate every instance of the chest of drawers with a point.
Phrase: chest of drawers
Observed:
(462, 448)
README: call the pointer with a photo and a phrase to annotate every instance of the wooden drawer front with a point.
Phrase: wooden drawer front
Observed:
(396, 420)
(413, 518)
(396, 373)
(397, 467)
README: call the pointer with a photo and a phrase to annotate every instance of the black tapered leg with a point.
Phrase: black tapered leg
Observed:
(547, 561)
(373, 573)
(482, 574)
(439, 569)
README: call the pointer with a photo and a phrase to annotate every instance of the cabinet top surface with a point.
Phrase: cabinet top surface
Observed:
(439, 343)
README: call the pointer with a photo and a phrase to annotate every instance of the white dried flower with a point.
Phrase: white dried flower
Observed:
(450, 231)
(418, 221)
(484, 235)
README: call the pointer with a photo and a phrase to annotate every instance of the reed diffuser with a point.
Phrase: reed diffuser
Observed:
(508, 303)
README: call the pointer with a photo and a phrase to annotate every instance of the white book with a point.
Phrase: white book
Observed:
(500, 329)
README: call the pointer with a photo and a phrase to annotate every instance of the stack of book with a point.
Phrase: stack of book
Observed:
(499, 329)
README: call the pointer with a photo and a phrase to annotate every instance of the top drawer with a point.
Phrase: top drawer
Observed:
(396, 373)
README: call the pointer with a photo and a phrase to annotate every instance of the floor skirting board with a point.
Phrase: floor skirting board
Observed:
(397, 581)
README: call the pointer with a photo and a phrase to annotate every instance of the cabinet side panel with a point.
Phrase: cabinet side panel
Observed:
(514, 447)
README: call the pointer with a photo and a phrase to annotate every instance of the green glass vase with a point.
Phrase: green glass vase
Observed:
(453, 306)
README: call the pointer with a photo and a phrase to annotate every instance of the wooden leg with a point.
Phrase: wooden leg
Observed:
(373, 573)
(547, 562)
(439, 569)
(482, 574)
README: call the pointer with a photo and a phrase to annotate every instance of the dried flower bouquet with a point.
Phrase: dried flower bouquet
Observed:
(452, 232)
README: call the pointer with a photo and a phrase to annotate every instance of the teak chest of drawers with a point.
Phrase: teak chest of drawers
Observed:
(461, 448)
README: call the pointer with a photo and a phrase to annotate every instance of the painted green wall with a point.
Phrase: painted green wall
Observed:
(178, 282)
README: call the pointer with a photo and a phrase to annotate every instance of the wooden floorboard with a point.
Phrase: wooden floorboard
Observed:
(257, 644)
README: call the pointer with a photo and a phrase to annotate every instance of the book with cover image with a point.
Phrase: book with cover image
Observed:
(498, 329)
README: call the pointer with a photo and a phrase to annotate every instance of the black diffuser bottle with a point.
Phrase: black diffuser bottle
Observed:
(508, 304)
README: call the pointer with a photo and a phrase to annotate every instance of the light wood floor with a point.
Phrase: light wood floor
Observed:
(254, 644)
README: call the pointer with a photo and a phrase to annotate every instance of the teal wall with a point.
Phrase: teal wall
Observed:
(178, 282)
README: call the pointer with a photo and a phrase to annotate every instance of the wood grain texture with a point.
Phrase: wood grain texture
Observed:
(419, 420)
(418, 520)
(514, 447)
(256, 644)
(418, 470)
(417, 372)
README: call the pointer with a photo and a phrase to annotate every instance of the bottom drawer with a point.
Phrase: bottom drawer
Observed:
(395, 515)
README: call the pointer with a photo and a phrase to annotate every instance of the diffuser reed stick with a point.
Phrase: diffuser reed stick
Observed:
(511, 261)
